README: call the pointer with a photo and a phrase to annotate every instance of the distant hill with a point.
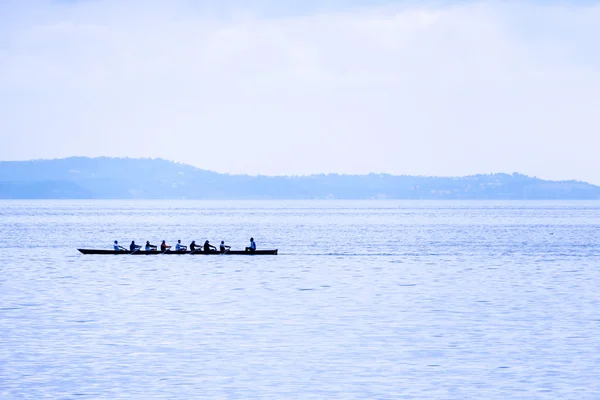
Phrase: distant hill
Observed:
(127, 178)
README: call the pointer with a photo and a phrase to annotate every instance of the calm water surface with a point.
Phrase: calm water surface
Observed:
(375, 300)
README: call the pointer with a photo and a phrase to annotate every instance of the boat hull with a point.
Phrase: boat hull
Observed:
(199, 252)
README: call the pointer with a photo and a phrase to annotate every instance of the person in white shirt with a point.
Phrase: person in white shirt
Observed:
(223, 247)
(117, 247)
(180, 247)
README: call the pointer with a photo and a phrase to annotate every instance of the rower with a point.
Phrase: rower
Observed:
(193, 246)
(117, 247)
(134, 247)
(252, 246)
(208, 247)
(180, 247)
(150, 247)
(222, 247)
(164, 247)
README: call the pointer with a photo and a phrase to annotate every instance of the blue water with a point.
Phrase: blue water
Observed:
(370, 300)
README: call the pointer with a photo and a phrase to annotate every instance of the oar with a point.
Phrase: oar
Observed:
(226, 250)
(193, 251)
(133, 252)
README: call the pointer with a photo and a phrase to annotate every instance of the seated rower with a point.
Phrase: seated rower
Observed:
(150, 247)
(222, 247)
(180, 247)
(252, 246)
(117, 247)
(134, 247)
(193, 246)
(164, 247)
(208, 247)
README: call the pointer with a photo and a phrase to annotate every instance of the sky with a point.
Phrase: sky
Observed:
(278, 87)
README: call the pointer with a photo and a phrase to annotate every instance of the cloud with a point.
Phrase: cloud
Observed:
(409, 88)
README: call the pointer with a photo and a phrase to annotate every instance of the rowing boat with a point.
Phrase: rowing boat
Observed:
(152, 252)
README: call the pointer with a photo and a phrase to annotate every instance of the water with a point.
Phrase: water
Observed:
(372, 299)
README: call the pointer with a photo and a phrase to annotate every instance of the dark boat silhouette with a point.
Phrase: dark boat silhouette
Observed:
(196, 252)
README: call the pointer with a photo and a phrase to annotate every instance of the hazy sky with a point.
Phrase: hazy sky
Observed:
(282, 87)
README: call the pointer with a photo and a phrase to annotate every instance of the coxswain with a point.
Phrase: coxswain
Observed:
(117, 247)
(150, 247)
(208, 247)
(134, 247)
(222, 247)
(164, 247)
(252, 246)
(180, 247)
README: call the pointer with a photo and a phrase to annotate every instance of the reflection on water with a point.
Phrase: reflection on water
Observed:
(387, 300)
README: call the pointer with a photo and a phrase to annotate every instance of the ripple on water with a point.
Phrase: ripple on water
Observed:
(446, 300)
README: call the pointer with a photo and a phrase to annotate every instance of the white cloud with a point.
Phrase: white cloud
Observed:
(408, 89)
